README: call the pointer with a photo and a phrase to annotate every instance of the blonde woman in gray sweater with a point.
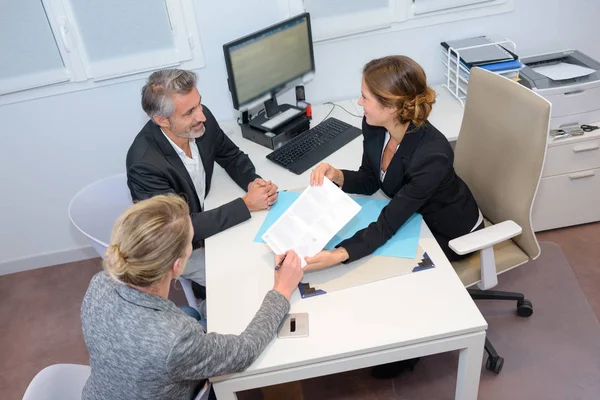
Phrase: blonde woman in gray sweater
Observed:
(141, 345)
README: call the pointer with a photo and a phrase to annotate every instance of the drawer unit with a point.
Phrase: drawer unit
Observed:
(572, 156)
(569, 192)
(567, 199)
(576, 101)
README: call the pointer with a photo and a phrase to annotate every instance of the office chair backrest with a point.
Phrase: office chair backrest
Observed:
(96, 207)
(58, 381)
(501, 149)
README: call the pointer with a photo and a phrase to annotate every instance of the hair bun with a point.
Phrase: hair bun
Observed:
(114, 260)
(400, 82)
(418, 109)
(114, 251)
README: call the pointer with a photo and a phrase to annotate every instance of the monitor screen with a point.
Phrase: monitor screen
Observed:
(268, 60)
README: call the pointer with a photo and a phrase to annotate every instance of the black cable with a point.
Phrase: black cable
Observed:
(330, 111)
(354, 115)
(337, 105)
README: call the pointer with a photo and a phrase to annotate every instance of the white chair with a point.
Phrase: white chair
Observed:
(66, 382)
(96, 207)
(59, 381)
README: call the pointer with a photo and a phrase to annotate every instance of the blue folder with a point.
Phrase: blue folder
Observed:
(403, 244)
(502, 66)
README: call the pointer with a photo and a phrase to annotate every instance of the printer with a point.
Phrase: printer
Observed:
(575, 97)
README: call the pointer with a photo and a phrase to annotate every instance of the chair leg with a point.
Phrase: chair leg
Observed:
(524, 309)
(494, 361)
(477, 294)
(489, 348)
(524, 306)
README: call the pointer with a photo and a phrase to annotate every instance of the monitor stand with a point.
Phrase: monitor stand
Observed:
(275, 115)
(279, 135)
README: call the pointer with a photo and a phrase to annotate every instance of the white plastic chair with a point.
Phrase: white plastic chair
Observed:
(58, 381)
(66, 382)
(96, 207)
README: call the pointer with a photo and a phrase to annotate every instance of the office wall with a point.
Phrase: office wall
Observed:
(54, 146)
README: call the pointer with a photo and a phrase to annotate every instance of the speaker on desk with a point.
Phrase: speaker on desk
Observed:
(300, 95)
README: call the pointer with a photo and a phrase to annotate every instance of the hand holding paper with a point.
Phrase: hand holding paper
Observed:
(311, 221)
(324, 170)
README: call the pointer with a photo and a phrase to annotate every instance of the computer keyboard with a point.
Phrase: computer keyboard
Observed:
(312, 146)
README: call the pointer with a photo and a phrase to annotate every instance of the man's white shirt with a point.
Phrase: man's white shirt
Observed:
(194, 269)
(193, 166)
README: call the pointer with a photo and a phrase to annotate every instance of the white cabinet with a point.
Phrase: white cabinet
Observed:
(569, 192)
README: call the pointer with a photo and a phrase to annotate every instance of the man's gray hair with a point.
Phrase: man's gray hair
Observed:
(161, 85)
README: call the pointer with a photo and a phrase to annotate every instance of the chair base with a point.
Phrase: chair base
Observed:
(524, 309)
(494, 362)
(478, 294)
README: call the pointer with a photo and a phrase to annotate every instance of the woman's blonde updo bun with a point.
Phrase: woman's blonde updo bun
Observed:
(147, 239)
(398, 81)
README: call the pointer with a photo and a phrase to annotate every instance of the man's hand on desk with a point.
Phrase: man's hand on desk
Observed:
(333, 174)
(261, 195)
(325, 258)
(289, 273)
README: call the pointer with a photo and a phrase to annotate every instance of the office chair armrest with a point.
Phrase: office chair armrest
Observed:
(485, 237)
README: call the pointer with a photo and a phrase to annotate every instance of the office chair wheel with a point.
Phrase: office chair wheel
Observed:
(495, 364)
(524, 308)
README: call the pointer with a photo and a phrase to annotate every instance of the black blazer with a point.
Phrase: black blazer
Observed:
(420, 178)
(153, 167)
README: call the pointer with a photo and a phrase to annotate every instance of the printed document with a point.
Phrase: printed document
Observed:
(561, 71)
(311, 221)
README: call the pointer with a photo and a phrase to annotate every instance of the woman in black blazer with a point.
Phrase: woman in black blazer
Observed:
(410, 161)
(407, 158)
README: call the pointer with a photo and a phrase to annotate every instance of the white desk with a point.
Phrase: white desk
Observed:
(399, 318)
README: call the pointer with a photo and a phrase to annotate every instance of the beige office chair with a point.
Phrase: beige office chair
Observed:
(500, 155)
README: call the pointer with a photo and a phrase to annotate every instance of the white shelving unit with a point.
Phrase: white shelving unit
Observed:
(457, 75)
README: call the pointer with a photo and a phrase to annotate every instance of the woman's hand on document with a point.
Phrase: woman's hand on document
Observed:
(288, 275)
(333, 174)
(326, 258)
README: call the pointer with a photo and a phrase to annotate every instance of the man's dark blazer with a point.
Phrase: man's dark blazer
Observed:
(420, 178)
(153, 167)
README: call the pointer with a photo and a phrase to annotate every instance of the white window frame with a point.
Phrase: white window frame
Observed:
(403, 14)
(79, 73)
(334, 27)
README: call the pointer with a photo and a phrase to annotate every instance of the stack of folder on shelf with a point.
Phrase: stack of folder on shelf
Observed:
(479, 52)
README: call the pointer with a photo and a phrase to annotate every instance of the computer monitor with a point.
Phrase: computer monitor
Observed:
(266, 62)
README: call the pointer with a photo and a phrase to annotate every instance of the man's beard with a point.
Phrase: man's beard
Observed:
(189, 133)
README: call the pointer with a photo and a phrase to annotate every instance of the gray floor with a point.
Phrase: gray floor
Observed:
(553, 355)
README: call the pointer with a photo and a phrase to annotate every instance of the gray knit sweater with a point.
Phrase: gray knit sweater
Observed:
(144, 347)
